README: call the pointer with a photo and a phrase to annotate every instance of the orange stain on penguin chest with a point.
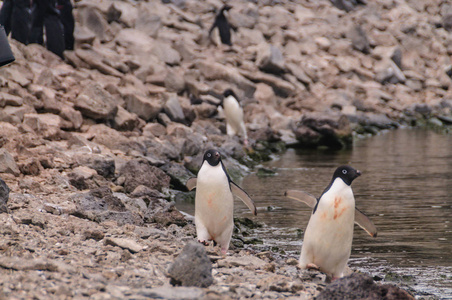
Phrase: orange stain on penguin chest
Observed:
(338, 212)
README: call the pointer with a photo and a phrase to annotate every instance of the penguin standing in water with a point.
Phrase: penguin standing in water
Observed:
(233, 111)
(328, 237)
(214, 202)
(224, 28)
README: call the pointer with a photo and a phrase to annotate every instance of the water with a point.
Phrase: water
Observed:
(405, 188)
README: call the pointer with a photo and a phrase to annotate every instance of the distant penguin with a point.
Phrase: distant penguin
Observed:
(214, 203)
(328, 237)
(233, 111)
(224, 28)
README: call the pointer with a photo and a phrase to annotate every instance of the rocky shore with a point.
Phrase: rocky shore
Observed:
(96, 148)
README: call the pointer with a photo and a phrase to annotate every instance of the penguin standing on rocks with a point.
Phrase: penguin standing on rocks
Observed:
(233, 111)
(214, 202)
(224, 28)
(329, 234)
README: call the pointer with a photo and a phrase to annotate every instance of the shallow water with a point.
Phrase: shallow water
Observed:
(405, 188)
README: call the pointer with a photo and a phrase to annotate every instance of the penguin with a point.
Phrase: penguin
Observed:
(214, 202)
(233, 112)
(224, 28)
(329, 234)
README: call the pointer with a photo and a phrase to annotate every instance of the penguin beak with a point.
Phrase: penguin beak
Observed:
(217, 154)
(358, 173)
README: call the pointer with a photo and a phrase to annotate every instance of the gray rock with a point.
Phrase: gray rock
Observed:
(359, 39)
(166, 53)
(91, 18)
(332, 131)
(8, 99)
(137, 173)
(96, 103)
(174, 82)
(125, 121)
(100, 205)
(192, 267)
(178, 173)
(7, 163)
(270, 59)
(4, 196)
(361, 286)
(128, 244)
(347, 5)
(173, 293)
(146, 108)
(173, 109)
(148, 22)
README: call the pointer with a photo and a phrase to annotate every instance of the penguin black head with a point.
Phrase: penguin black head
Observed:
(346, 173)
(213, 157)
(229, 92)
(225, 8)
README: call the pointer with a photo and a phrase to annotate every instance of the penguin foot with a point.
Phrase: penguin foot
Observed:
(205, 243)
(312, 267)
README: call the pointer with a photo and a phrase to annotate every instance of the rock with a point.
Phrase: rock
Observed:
(95, 61)
(19, 263)
(243, 261)
(7, 163)
(174, 82)
(264, 94)
(179, 175)
(96, 103)
(173, 293)
(347, 5)
(4, 196)
(324, 130)
(173, 109)
(125, 121)
(148, 22)
(127, 244)
(192, 267)
(166, 54)
(359, 39)
(146, 108)
(73, 116)
(281, 87)
(30, 166)
(8, 99)
(100, 205)
(270, 59)
(361, 286)
(90, 18)
(137, 173)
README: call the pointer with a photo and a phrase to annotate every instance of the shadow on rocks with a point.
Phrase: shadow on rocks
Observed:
(192, 267)
(361, 286)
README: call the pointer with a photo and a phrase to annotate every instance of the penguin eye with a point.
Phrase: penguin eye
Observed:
(209, 155)
(344, 171)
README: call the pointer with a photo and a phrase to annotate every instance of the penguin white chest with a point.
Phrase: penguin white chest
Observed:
(329, 234)
(214, 204)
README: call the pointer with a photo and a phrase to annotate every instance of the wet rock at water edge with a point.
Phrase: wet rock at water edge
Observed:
(361, 286)
(192, 267)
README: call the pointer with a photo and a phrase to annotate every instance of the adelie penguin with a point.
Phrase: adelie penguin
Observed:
(233, 111)
(328, 237)
(214, 202)
(224, 28)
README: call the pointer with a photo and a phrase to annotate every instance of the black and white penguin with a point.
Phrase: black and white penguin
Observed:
(233, 111)
(329, 234)
(223, 26)
(214, 202)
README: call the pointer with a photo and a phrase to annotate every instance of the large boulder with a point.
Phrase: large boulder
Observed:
(361, 286)
(96, 103)
(192, 267)
(135, 173)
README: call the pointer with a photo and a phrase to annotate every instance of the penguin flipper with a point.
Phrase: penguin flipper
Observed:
(365, 223)
(236, 190)
(301, 196)
(191, 183)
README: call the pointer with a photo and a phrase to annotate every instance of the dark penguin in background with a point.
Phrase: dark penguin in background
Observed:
(214, 202)
(224, 28)
(328, 237)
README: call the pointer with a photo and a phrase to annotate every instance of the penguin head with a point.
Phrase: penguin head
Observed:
(229, 92)
(225, 7)
(346, 173)
(213, 157)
